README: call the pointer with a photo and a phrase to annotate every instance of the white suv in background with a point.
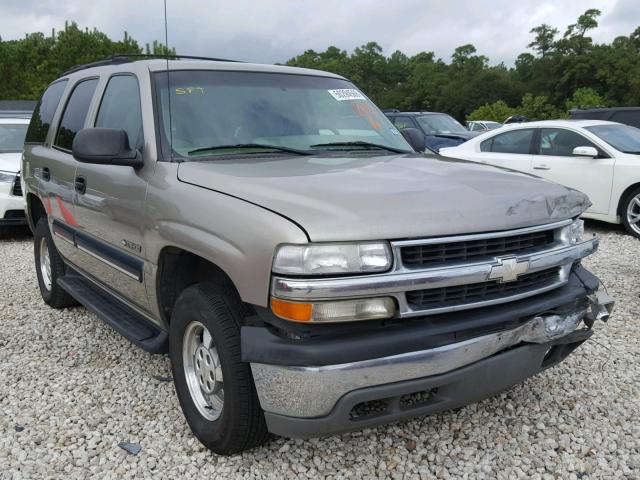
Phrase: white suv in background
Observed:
(13, 128)
(599, 158)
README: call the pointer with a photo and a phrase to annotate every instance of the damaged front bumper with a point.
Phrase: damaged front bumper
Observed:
(303, 401)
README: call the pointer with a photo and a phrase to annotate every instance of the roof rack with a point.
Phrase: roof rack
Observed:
(120, 58)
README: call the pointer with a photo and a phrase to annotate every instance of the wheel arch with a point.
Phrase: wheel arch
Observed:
(178, 269)
(35, 210)
(623, 197)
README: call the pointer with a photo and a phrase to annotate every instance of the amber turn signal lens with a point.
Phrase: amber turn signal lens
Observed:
(297, 312)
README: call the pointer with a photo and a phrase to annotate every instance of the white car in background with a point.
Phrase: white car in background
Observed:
(482, 125)
(599, 158)
(12, 132)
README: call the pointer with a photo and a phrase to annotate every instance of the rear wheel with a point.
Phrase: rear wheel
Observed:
(631, 212)
(49, 267)
(214, 387)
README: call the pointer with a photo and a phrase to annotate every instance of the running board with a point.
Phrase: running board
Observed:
(122, 318)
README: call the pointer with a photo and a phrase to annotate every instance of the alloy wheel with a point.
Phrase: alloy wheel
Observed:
(203, 370)
(45, 263)
(633, 214)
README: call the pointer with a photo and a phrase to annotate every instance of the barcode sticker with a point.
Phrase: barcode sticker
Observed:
(342, 94)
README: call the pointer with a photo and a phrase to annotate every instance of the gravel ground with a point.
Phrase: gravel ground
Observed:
(71, 390)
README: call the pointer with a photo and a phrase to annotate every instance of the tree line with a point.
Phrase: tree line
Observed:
(559, 73)
(28, 65)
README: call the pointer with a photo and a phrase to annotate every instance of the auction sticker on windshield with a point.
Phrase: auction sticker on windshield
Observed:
(346, 94)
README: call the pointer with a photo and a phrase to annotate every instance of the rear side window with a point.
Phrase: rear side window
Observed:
(516, 141)
(44, 112)
(75, 113)
(120, 108)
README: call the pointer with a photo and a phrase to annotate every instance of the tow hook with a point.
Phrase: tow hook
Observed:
(600, 307)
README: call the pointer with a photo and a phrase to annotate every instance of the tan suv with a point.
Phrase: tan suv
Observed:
(308, 272)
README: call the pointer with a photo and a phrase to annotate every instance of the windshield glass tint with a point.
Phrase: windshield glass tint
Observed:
(621, 137)
(440, 123)
(492, 125)
(12, 137)
(215, 108)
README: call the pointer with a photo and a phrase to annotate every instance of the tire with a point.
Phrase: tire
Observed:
(236, 422)
(52, 293)
(630, 211)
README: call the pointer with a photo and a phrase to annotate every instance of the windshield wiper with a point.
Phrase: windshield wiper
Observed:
(632, 152)
(360, 144)
(250, 145)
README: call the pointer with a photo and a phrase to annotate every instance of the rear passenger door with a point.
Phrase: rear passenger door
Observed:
(110, 199)
(511, 149)
(57, 167)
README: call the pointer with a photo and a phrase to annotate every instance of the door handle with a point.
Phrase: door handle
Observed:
(541, 167)
(81, 185)
(46, 174)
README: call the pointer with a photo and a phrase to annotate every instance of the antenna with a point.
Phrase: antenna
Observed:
(166, 46)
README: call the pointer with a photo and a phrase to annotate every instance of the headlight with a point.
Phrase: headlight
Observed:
(7, 177)
(575, 232)
(332, 258)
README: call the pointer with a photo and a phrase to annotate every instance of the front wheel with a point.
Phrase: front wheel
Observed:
(631, 213)
(214, 387)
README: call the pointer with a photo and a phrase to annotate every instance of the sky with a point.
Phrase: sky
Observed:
(270, 31)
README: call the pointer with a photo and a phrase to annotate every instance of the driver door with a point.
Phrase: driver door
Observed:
(554, 160)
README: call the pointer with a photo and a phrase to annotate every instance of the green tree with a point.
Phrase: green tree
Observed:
(544, 40)
(585, 97)
(497, 111)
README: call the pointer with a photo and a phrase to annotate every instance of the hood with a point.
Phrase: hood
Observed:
(10, 162)
(388, 197)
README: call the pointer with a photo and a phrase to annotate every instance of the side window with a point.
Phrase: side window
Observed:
(44, 112)
(403, 122)
(516, 141)
(560, 142)
(75, 113)
(120, 108)
(486, 145)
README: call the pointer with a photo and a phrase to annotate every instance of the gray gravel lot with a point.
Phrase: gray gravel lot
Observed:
(71, 390)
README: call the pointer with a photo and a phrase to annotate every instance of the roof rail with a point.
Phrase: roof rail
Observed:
(120, 58)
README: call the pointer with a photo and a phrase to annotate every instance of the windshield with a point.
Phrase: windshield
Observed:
(436, 123)
(621, 137)
(492, 125)
(217, 113)
(12, 137)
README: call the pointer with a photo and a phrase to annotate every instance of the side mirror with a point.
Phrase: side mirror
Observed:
(105, 146)
(415, 138)
(585, 152)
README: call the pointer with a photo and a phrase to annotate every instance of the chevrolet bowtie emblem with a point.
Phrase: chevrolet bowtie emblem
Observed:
(508, 269)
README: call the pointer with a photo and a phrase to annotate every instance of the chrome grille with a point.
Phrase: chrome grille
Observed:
(439, 254)
(449, 297)
(468, 279)
(17, 188)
